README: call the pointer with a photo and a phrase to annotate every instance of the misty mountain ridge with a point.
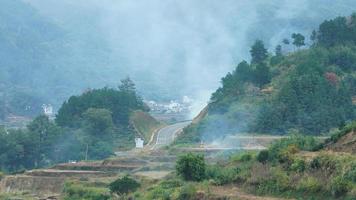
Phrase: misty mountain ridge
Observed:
(51, 50)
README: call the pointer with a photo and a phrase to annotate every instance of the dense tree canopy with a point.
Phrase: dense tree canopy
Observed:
(119, 102)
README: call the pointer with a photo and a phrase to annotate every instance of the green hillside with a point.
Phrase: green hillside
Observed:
(309, 90)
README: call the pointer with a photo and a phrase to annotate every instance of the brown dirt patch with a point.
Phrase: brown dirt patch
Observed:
(346, 143)
(235, 193)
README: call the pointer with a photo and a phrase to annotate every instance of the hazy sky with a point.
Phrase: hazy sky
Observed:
(185, 46)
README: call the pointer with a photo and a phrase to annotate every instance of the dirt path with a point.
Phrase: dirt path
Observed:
(235, 193)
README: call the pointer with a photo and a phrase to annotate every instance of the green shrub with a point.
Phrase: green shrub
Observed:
(222, 175)
(263, 156)
(339, 186)
(159, 193)
(171, 183)
(187, 192)
(124, 185)
(298, 165)
(275, 181)
(328, 163)
(315, 163)
(309, 185)
(281, 149)
(1, 176)
(76, 191)
(246, 157)
(351, 174)
(191, 167)
(286, 155)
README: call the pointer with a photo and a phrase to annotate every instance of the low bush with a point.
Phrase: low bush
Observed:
(350, 175)
(1, 176)
(298, 165)
(124, 185)
(171, 183)
(191, 167)
(246, 157)
(309, 185)
(159, 193)
(222, 175)
(277, 181)
(328, 163)
(281, 149)
(77, 191)
(187, 192)
(263, 156)
(315, 163)
(339, 186)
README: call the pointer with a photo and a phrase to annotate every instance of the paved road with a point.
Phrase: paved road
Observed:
(167, 134)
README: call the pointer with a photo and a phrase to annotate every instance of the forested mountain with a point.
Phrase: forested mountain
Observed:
(309, 90)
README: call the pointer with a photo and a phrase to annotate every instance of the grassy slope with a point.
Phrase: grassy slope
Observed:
(145, 124)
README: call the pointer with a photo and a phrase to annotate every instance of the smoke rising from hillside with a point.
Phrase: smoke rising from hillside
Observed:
(182, 47)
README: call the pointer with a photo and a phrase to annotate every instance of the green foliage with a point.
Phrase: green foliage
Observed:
(159, 193)
(298, 39)
(263, 156)
(191, 167)
(187, 192)
(262, 74)
(284, 149)
(278, 56)
(339, 186)
(309, 184)
(91, 125)
(345, 130)
(98, 121)
(350, 175)
(344, 57)
(119, 103)
(222, 176)
(298, 165)
(278, 181)
(189, 135)
(309, 91)
(124, 185)
(337, 31)
(246, 157)
(258, 52)
(308, 102)
(33, 147)
(77, 191)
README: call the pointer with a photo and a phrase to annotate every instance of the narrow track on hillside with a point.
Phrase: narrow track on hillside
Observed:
(166, 135)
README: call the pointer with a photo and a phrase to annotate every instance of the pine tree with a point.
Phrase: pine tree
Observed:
(258, 52)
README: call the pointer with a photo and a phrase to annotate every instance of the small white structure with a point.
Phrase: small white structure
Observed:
(139, 143)
(47, 109)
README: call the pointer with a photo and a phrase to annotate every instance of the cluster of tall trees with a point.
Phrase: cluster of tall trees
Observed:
(29, 148)
(257, 72)
(88, 126)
